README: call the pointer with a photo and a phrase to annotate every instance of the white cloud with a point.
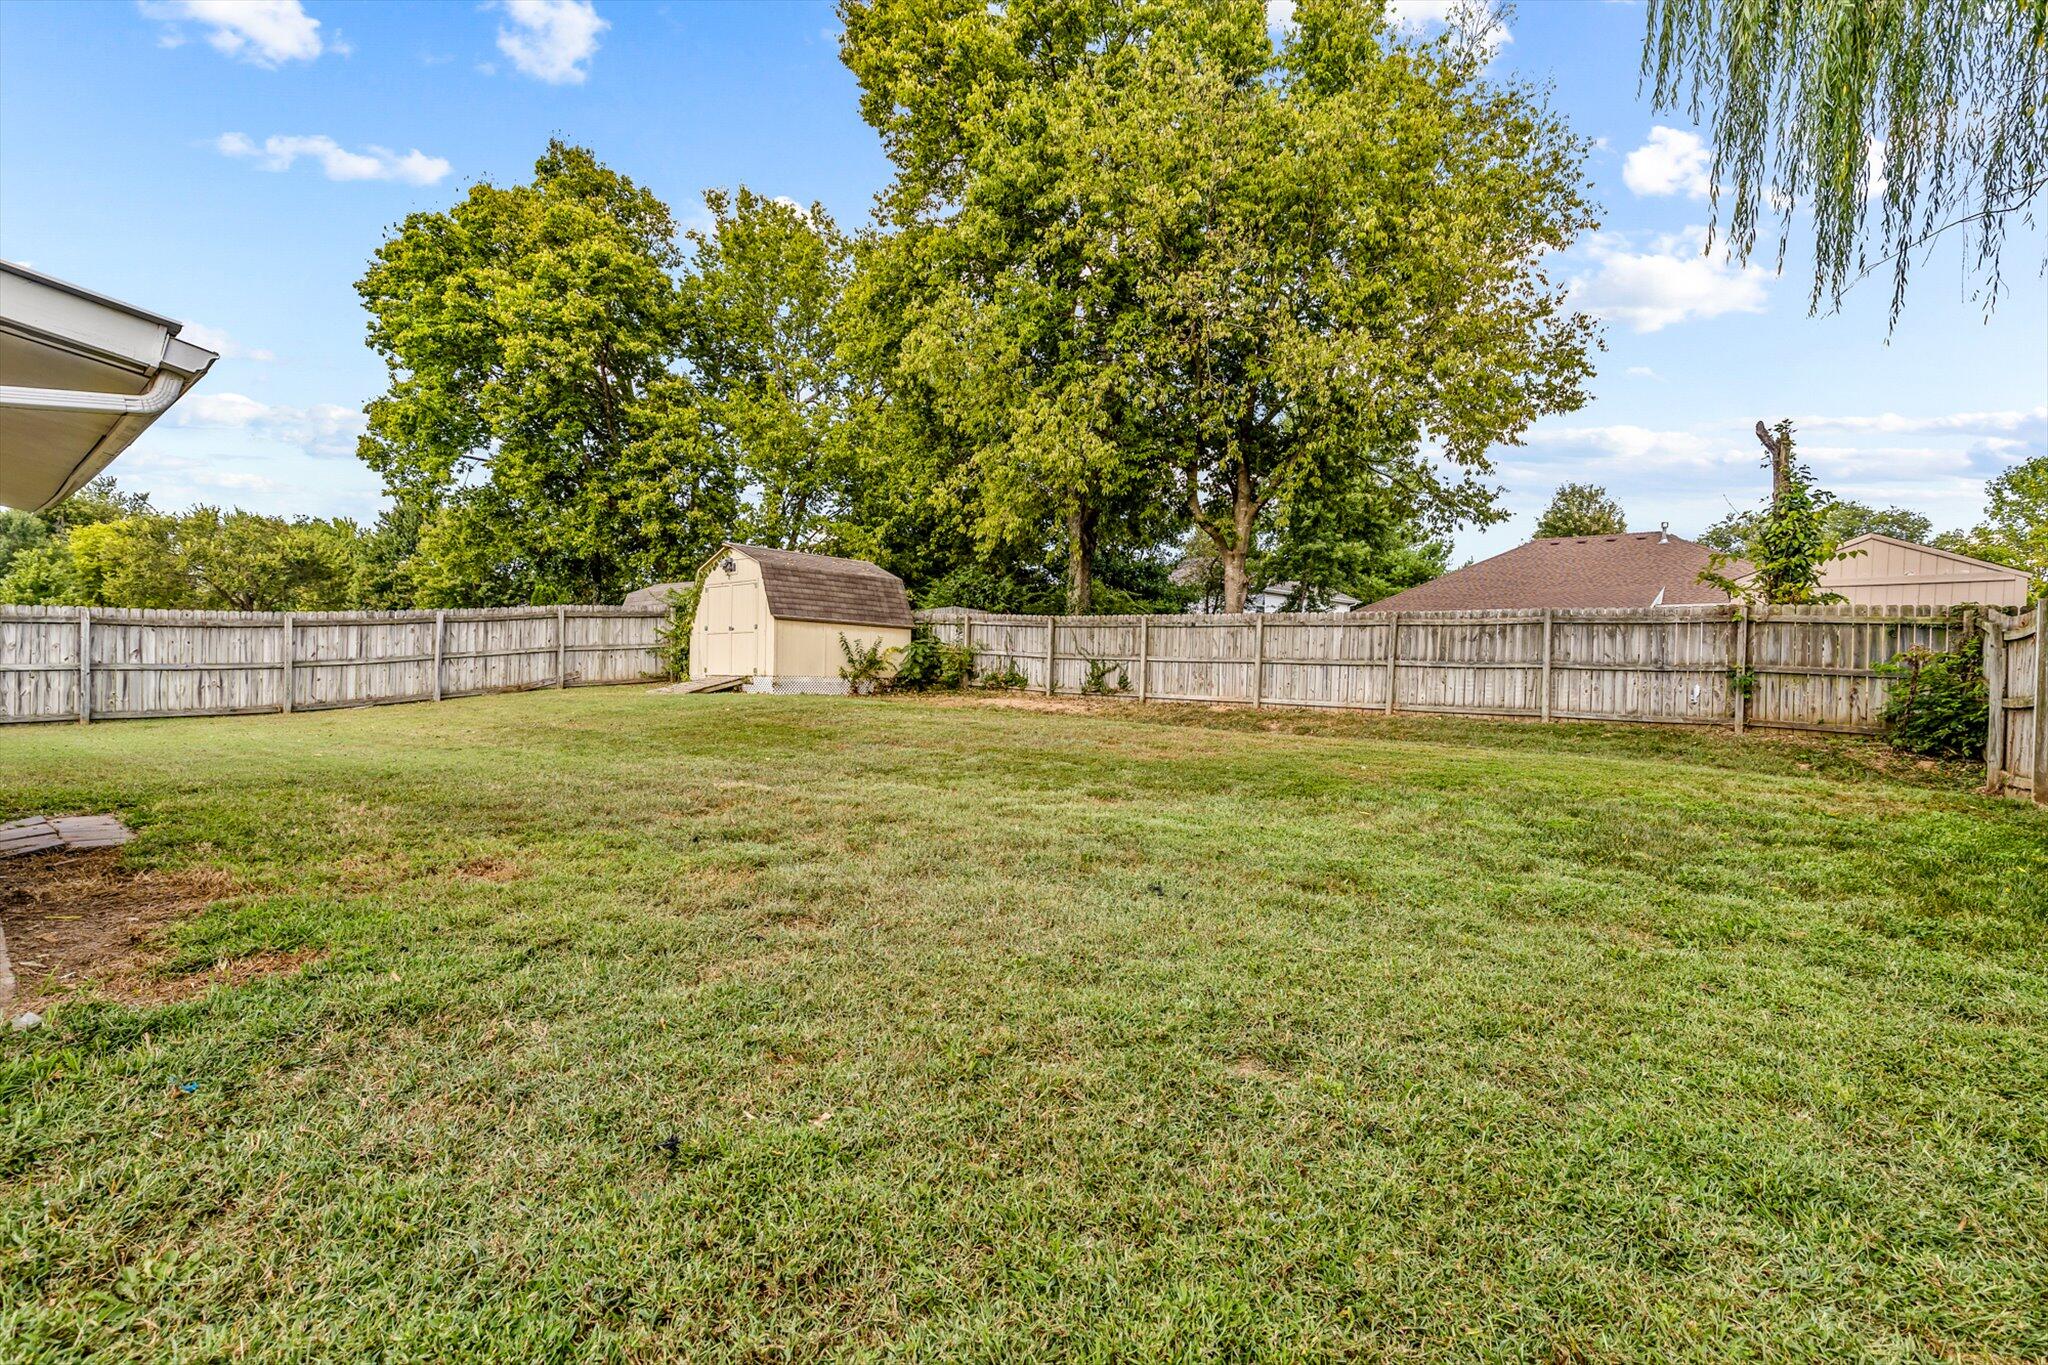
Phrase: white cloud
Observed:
(221, 344)
(174, 479)
(1670, 281)
(2004, 423)
(1642, 372)
(278, 152)
(321, 429)
(1671, 162)
(550, 40)
(1626, 447)
(262, 32)
(1279, 14)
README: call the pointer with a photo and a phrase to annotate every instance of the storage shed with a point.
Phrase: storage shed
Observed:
(777, 616)
(1884, 571)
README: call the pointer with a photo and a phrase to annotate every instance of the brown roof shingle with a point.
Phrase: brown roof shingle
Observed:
(1631, 569)
(807, 587)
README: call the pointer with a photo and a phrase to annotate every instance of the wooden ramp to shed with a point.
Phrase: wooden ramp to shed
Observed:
(715, 683)
(40, 832)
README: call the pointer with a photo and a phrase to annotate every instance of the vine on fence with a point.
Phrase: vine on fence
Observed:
(1098, 684)
(672, 640)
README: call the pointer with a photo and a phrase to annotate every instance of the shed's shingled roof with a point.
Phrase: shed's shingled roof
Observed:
(1626, 570)
(806, 587)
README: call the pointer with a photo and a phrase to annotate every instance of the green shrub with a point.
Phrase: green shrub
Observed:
(1010, 679)
(929, 662)
(867, 666)
(1939, 703)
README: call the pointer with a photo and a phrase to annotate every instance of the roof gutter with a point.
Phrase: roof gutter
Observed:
(161, 393)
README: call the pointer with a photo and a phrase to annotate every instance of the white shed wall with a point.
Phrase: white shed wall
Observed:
(1892, 573)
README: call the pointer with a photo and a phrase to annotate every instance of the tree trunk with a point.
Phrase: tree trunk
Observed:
(1081, 560)
(1244, 510)
(1780, 447)
(1233, 557)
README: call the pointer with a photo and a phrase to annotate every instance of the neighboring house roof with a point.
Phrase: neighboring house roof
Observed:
(655, 594)
(81, 376)
(1285, 589)
(807, 587)
(1631, 569)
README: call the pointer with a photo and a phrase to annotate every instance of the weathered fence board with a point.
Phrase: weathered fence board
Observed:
(2016, 672)
(1813, 668)
(215, 663)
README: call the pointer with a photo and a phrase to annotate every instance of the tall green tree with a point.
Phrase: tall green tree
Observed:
(533, 422)
(760, 308)
(1008, 286)
(1887, 121)
(1177, 268)
(1580, 509)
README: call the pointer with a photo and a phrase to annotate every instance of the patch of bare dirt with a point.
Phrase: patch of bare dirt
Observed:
(491, 870)
(73, 918)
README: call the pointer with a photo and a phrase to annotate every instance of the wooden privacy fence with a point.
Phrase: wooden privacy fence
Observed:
(2016, 673)
(100, 663)
(1803, 668)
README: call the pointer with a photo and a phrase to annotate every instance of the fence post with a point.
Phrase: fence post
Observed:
(1144, 653)
(1743, 679)
(440, 633)
(967, 642)
(1259, 660)
(1393, 655)
(1547, 614)
(1994, 688)
(2041, 702)
(84, 665)
(290, 644)
(1052, 645)
(561, 646)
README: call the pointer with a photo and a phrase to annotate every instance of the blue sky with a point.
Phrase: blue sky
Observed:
(233, 163)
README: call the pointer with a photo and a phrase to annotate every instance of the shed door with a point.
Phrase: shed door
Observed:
(733, 614)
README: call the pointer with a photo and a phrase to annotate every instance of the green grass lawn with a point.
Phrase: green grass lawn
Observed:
(781, 1028)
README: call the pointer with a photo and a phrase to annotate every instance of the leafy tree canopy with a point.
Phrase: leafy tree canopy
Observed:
(1580, 509)
(1841, 519)
(19, 531)
(1890, 121)
(1146, 261)
(533, 426)
(202, 559)
(760, 311)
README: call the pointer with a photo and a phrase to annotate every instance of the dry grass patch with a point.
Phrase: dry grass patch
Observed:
(491, 870)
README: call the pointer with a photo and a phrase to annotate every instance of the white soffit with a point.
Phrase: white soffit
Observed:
(81, 376)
